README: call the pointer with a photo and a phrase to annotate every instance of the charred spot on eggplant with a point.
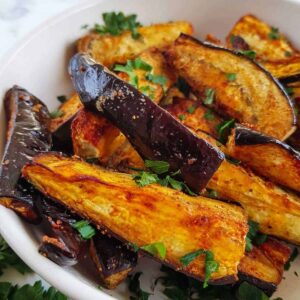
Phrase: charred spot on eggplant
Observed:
(112, 258)
(151, 130)
(27, 134)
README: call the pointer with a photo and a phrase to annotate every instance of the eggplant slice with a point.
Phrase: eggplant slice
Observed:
(109, 50)
(113, 259)
(113, 201)
(266, 156)
(206, 66)
(150, 129)
(263, 266)
(27, 134)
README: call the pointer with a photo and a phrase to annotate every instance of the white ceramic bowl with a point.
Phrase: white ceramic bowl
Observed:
(39, 63)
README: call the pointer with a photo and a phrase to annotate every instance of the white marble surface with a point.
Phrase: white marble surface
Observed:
(17, 19)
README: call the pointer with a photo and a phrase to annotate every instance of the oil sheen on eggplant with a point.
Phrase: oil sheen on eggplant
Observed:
(152, 131)
(27, 135)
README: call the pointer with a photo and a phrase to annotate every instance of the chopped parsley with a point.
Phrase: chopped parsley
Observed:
(210, 193)
(274, 34)
(158, 79)
(156, 249)
(209, 115)
(249, 53)
(223, 129)
(247, 291)
(230, 76)
(253, 236)
(181, 117)
(287, 53)
(85, 229)
(135, 288)
(290, 90)
(56, 114)
(211, 265)
(9, 258)
(62, 98)
(292, 258)
(27, 291)
(144, 178)
(191, 109)
(157, 166)
(116, 23)
(209, 96)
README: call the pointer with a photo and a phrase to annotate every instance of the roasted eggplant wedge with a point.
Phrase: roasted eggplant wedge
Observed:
(61, 125)
(205, 67)
(267, 42)
(108, 49)
(266, 156)
(27, 134)
(115, 202)
(61, 243)
(113, 259)
(94, 136)
(263, 266)
(148, 127)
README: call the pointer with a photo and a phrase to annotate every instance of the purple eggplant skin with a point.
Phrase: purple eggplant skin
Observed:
(154, 133)
(27, 134)
(62, 138)
(289, 79)
(62, 243)
(246, 136)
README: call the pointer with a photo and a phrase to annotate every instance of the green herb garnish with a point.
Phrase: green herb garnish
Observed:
(287, 53)
(191, 109)
(247, 291)
(249, 53)
(8, 258)
(290, 90)
(135, 288)
(230, 76)
(209, 96)
(209, 115)
(210, 193)
(253, 236)
(292, 258)
(274, 34)
(211, 265)
(158, 79)
(56, 114)
(157, 166)
(144, 178)
(85, 229)
(116, 23)
(156, 249)
(223, 129)
(181, 117)
(27, 291)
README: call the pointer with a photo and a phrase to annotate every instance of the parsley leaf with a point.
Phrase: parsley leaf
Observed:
(249, 53)
(292, 258)
(287, 53)
(181, 117)
(135, 287)
(139, 64)
(158, 79)
(230, 76)
(210, 193)
(9, 258)
(223, 129)
(274, 34)
(175, 293)
(144, 178)
(62, 98)
(211, 265)
(247, 291)
(27, 291)
(56, 114)
(191, 109)
(289, 90)
(116, 23)
(157, 166)
(156, 249)
(209, 96)
(253, 236)
(85, 229)
(209, 115)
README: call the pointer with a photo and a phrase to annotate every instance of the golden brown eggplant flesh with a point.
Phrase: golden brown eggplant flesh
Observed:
(266, 156)
(109, 50)
(206, 66)
(263, 266)
(148, 127)
(27, 134)
(267, 42)
(113, 259)
(115, 202)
